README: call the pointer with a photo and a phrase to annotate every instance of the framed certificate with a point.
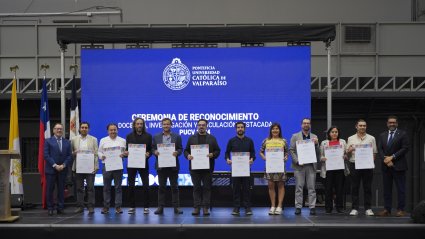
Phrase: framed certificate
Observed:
(334, 157)
(275, 160)
(136, 156)
(166, 158)
(200, 156)
(363, 156)
(240, 164)
(85, 161)
(306, 151)
(113, 161)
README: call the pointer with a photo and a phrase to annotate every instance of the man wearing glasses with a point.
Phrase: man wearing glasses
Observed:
(202, 194)
(57, 154)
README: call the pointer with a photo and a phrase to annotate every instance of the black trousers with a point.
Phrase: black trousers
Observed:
(334, 183)
(202, 181)
(365, 176)
(172, 175)
(144, 175)
(241, 187)
(399, 178)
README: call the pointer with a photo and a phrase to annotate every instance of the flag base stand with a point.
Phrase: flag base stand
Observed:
(9, 219)
(5, 212)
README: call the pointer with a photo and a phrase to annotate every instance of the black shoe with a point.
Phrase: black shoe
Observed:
(60, 211)
(206, 211)
(50, 213)
(313, 211)
(340, 210)
(248, 211)
(297, 211)
(177, 211)
(196, 211)
(328, 211)
(235, 211)
(159, 211)
(91, 210)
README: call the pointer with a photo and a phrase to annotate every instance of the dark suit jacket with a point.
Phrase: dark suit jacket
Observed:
(53, 155)
(213, 148)
(398, 147)
(176, 139)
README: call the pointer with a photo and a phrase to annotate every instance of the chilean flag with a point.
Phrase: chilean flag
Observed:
(44, 133)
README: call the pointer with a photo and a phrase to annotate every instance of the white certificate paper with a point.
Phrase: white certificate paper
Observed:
(85, 161)
(240, 164)
(334, 157)
(165, 157)
(113, 160)
(306, 151)
(200, 156)
(275, 162)
(136, 156)
(363, 156)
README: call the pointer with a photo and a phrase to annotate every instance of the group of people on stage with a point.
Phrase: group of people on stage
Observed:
(390, 151)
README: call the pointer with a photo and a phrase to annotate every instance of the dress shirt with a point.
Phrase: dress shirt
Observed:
(389, 134)
(166, 139)
(83, 143)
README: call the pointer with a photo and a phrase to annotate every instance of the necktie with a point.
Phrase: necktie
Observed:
(391, 138)
(60, 144)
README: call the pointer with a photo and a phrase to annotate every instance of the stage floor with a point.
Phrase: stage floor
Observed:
(219, 224)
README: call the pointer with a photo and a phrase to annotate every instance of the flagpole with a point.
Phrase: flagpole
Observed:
(44, 134)
(14, 69)
(63, 88)
(14, 144)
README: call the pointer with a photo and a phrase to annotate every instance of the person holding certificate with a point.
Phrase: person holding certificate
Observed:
(85, 145)
(305, 148)
(275, 142)
(361, 140)
(204, 146)
(139, 137)
(241, 184)
(332, 151)
(393, 145)
(111, 149)
(167, 170)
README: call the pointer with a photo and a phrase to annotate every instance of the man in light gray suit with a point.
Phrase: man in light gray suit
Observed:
(172, 173)
(85, 142)
(307, 172)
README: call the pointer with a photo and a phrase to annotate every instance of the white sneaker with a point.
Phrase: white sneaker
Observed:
(272, 211)
(369, 212)
(132, 210)
(278, 211)
(146, 210)
(354, 212)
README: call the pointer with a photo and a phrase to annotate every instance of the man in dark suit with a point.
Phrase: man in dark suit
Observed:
(393, 146)
(164, 173)
(202, 194)
(57, 153)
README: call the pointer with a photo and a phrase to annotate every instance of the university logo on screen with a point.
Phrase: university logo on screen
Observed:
(177, 76)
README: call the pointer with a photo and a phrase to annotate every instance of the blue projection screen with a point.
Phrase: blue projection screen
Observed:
(223, 85)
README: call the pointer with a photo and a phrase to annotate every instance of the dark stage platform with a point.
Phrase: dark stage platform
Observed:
(220, 224)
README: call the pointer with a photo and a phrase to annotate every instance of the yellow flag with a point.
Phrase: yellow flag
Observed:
(15, 164)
